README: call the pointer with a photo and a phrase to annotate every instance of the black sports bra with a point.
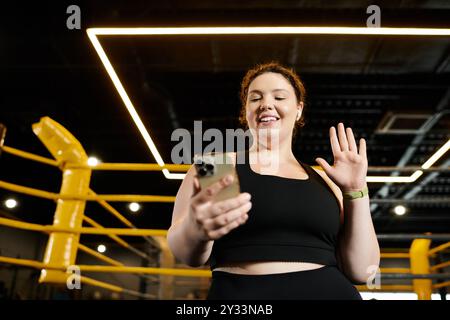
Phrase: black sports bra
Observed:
(290, 220)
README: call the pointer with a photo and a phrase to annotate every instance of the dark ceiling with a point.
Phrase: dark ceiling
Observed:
(362, 81)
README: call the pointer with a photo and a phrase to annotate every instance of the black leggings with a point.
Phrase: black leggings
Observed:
(325, 283)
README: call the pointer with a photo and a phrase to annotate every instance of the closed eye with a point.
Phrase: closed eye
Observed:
(259, 99)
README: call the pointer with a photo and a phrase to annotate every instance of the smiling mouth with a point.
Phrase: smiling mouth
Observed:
(268, 119)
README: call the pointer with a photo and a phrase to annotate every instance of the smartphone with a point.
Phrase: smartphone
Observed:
(213, 167)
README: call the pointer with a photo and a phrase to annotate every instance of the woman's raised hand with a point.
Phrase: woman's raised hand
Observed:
(349, 170)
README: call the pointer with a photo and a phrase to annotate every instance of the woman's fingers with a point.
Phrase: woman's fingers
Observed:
(229, 217)
(223, 206)
(335, 147)
(346, 141)
(351, 140)
(342, 137)
(215, 234)
(196, 188)
(208, 193)
(362, 148)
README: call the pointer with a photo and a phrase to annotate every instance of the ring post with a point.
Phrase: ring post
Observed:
(421, 265)
(62, 247)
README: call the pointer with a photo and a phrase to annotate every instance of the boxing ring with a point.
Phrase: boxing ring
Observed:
(63, 245)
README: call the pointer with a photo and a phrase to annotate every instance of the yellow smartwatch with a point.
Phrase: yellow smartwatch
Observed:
(351, 195)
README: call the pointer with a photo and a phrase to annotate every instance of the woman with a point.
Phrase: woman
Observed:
(294, 232)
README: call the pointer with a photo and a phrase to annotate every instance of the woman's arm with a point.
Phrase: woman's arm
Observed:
(358, 249)
(182, 238)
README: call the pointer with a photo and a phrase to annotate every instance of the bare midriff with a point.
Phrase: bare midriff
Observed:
(267, 267)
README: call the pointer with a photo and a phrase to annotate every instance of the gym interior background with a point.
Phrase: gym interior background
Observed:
(392, 90)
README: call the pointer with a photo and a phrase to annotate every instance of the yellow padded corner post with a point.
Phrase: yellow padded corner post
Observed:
(421, 265)
(62, 247)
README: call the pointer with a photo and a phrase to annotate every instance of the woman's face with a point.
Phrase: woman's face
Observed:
(272, 104)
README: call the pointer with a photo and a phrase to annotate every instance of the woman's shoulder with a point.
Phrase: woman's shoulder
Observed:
(334, 187)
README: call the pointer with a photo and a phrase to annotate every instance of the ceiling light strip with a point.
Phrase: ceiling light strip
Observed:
(129, 105)
(93, 32)
(437, 155)
(273, 30)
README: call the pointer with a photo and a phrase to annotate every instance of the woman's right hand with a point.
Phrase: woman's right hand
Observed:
(212, 219)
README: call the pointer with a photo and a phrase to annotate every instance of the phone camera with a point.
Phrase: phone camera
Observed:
(204, 169)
